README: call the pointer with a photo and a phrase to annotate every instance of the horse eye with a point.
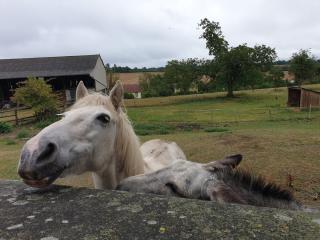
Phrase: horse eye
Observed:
(104, 118)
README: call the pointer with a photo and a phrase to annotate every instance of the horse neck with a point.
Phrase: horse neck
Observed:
(127, 160)
(263, 200)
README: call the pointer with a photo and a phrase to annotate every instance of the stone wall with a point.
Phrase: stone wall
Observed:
(79, 213)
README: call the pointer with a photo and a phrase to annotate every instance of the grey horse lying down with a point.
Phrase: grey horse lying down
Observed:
(218, 181)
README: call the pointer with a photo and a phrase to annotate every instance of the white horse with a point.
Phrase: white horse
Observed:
(94, 135)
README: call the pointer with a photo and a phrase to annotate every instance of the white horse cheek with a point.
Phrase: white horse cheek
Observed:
(103, 152)
(77, 158)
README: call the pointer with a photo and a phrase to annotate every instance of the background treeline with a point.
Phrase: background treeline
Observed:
(193, 75)
(230, 68)
(126, 69)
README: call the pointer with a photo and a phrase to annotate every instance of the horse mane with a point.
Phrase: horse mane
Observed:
(255, 183)
(128, 148)
(127, 144)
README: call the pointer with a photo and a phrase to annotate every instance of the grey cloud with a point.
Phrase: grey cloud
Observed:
(150, 32)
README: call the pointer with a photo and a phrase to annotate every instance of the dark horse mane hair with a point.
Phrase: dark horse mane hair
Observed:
(255, 183)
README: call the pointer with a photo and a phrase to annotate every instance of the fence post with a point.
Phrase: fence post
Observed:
(237, 117)
(309, 114)
(269, 114)
(16, 115)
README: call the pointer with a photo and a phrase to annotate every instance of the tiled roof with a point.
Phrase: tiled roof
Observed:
(47, 66)
(131, 88)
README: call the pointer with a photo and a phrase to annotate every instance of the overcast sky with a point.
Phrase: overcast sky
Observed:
(151, 32)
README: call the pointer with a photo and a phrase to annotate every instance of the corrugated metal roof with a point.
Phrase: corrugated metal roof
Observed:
(47, 66)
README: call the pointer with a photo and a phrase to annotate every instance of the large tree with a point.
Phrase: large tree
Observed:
(303, 65)
(236, 66)
(183, 74)
(155, 85)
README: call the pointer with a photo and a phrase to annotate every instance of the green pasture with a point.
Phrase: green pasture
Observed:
(275, 141)
(257, 105)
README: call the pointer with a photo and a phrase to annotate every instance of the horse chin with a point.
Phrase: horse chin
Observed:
(44, 182)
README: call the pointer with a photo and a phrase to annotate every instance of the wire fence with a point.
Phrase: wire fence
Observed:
(222, 116)
(195, 118)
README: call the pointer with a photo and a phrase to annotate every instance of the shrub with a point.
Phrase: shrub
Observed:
(10, 142)
(46, 122)
(23, 133)
(38, 95)
(152, 129)
(128, 95)
(215, 129)
(147, 94)
(5, 127)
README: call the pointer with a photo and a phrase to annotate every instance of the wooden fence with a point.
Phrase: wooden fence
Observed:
(17, 115)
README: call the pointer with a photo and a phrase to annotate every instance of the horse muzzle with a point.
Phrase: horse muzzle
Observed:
(39, 167)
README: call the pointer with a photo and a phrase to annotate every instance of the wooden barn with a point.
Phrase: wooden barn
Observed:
(63, 73)
(303, 98)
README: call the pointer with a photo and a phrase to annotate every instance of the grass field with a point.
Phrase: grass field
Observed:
(275, 141)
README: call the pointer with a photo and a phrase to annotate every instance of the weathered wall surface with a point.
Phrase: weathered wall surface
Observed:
(71, 213)
(309, 98)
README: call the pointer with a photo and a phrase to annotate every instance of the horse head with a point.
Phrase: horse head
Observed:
(85, 139)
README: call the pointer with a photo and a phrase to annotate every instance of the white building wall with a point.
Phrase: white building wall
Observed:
(100, 75)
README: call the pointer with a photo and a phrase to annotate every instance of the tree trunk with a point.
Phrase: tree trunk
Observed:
(230, 89)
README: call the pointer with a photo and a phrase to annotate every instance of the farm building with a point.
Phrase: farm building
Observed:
(134, 89)
(287, 76)
(302, 97)
(131, 81)
(63, 73)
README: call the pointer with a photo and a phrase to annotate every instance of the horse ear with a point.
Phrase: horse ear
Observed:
(116, 95)
(81, 91)
(229, 161)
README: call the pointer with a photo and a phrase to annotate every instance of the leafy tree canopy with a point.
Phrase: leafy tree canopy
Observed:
(303, 66)
(236, 66)
(182, 74)
(155, 85)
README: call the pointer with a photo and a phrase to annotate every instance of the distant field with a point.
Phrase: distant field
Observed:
(215, 108)
(210, 126)
(133, 78)
(261, 93)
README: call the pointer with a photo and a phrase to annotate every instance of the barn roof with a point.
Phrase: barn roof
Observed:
(305, 89)
(131, 88)
(47, 66)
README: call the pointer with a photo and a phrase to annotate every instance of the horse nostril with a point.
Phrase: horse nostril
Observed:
(48, 152)
(27, 175)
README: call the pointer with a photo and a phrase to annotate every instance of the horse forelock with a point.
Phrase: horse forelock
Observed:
(94, 99)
